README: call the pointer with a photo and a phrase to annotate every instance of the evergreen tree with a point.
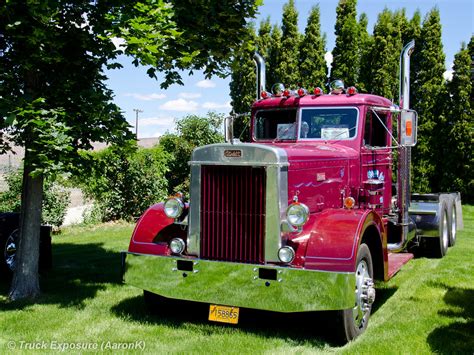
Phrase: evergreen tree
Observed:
(313, 69)
(470, 48)
(385, 54)
(287, 68)
(412, 31)
(457, 164)
(243, 85)
(365, 52)
(345, 63)
(429, 103)
(264, 38)
(264, 43)
(274, 56)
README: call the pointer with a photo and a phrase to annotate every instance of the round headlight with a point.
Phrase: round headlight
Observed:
(286, 254)
(174, 207)
(297, 214)
(177, 245)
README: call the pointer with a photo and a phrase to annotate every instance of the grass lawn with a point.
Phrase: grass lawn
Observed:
(427, 307)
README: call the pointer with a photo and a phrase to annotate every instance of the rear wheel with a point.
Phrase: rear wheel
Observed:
(355, 320)
(452, 225)
(9, 248)
(439, 246)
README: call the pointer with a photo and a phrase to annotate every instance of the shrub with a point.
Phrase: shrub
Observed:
(124, 181)
(55, 198)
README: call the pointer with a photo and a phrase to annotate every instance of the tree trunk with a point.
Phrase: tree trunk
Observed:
(25, 283)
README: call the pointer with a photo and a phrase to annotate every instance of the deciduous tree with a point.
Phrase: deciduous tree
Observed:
(53, 97)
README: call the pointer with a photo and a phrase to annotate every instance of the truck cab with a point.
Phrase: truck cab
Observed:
(304, 217)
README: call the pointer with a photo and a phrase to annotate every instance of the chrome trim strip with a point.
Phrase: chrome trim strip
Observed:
(233, 284)
(236, 163)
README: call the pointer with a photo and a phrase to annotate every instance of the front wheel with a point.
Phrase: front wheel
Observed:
(354, 321)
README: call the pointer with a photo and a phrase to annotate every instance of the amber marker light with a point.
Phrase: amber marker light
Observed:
(349, 203)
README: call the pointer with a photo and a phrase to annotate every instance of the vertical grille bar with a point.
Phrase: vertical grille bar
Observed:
(233, 213)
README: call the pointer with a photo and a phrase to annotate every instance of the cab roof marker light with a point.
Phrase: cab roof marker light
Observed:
(318, 91)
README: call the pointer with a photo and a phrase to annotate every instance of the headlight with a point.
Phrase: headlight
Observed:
(286, 254)
(177, 245)
(297, 214)
(174, 207)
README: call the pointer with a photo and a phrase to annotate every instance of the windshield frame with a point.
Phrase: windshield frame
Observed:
(300, 116)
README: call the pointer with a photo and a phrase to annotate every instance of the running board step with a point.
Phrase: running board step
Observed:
(396, 261)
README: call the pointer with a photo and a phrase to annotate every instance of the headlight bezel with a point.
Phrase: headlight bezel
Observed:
(179, 207)
(303, 209)
(178, 242)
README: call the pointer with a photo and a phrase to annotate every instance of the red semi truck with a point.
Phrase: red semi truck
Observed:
(305, 217)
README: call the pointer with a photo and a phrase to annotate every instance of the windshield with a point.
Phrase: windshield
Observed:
(328, 123)
(275, 124)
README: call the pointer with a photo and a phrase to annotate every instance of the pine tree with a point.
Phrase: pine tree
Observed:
(429, 103)
(313, 69)
(365, 52)
(274, 56)
(287, 68)
(458, 158)
(345, 63)
(243, 86)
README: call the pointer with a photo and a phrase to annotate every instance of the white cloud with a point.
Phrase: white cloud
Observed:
(147, 97)
(119, 43)
(205, 84)
(189, 95)
(216, 106)
(448, 75)
(180, 105)
(328, 58)
(156, 121)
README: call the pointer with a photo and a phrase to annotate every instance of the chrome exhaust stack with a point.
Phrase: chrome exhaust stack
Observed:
(260, 64)
(404, 154)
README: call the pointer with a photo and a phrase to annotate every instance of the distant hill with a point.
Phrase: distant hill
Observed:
(13, 159)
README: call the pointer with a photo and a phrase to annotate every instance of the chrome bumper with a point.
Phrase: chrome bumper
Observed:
(275, 288)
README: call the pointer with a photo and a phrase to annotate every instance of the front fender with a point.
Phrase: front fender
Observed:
(153, 231)
(335, 237)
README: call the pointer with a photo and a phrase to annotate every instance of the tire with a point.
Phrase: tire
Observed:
(452, 223)
(354, 321)
(8, 253)
(438, 246)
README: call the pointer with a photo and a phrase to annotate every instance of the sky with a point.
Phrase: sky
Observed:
(161, 108)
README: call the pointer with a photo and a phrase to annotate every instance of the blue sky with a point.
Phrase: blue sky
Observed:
(161, 108)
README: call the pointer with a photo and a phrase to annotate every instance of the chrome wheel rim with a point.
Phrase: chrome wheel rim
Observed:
(453, 224)
(10, 250)
(365, 295)
(445, 231)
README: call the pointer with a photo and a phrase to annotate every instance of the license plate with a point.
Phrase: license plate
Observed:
(224, 314)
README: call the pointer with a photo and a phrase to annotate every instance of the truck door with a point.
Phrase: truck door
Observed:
(376, 160)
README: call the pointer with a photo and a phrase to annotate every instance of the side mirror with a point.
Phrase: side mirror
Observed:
(408, 126)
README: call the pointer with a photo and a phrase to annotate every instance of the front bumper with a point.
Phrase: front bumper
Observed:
(280, 289)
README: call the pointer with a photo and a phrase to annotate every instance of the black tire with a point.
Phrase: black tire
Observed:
(452, 222)
(354, 321)
(438, 246)
(8, 251)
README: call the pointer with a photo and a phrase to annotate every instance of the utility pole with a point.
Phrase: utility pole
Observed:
(137, 111)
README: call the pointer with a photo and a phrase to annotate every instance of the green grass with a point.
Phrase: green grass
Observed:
(427, 307)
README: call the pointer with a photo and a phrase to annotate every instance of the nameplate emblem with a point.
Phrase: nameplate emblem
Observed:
(232, 153)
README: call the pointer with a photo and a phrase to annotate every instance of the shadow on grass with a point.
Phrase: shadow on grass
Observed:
(79, 271)
(456, 337)
(382, 296)
(311, 328)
